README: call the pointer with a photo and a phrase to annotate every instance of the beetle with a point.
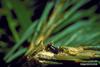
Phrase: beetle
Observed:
(52, 48)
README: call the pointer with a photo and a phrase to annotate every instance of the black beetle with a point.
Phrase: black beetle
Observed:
(52, 48)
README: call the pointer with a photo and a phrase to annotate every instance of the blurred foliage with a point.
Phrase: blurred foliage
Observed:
(62, 22)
